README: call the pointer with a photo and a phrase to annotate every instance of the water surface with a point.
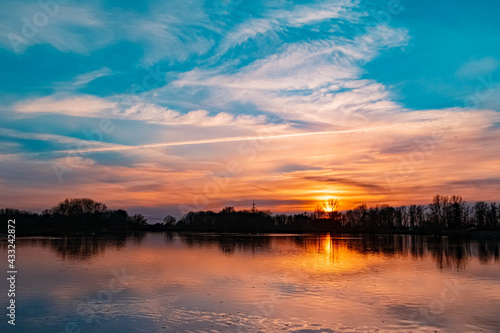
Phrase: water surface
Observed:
(159, 282)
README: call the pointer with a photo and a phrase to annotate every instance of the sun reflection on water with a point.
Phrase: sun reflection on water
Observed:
(327, 254)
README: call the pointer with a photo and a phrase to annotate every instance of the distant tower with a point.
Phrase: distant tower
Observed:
(253, 207)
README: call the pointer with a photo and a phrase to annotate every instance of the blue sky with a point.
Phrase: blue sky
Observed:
(85, 83)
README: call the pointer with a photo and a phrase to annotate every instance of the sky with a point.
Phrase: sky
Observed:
(163, 107)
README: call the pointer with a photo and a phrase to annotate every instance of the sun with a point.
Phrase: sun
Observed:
(330, 205)
(328, 209)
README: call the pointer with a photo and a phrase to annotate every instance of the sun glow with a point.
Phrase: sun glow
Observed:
(330, 205)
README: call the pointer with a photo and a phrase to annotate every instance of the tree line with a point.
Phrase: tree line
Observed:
(443, 214)
(74, 215)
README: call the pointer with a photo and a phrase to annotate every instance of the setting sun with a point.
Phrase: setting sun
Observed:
(330, 205)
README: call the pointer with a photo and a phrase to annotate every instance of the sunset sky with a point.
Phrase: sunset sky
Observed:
(166, 106)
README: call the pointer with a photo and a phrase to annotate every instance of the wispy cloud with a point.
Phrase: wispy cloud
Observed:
(79, 106)
(171, 30)
(83, 79)
(479, 67)
(94, 107)
(324, 76)
(68, 28)
(276, 20)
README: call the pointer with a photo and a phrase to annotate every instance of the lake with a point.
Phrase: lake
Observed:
(161, 282)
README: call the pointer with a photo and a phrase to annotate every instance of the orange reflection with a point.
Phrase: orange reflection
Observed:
(327, 254)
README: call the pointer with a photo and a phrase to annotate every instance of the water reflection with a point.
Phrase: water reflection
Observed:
(227, 243)
(83, 247)
(267, 283)
(447, 253)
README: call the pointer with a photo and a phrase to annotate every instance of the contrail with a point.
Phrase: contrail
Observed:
(215, 140)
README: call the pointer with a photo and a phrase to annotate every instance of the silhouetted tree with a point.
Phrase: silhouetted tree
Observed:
(480, 210)
(331, 207)
(492, 216)
(437, 211)
(457, 212)
(169, 221)
(138, 220)
(319, 212)
(227, 210)
(79, 206)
